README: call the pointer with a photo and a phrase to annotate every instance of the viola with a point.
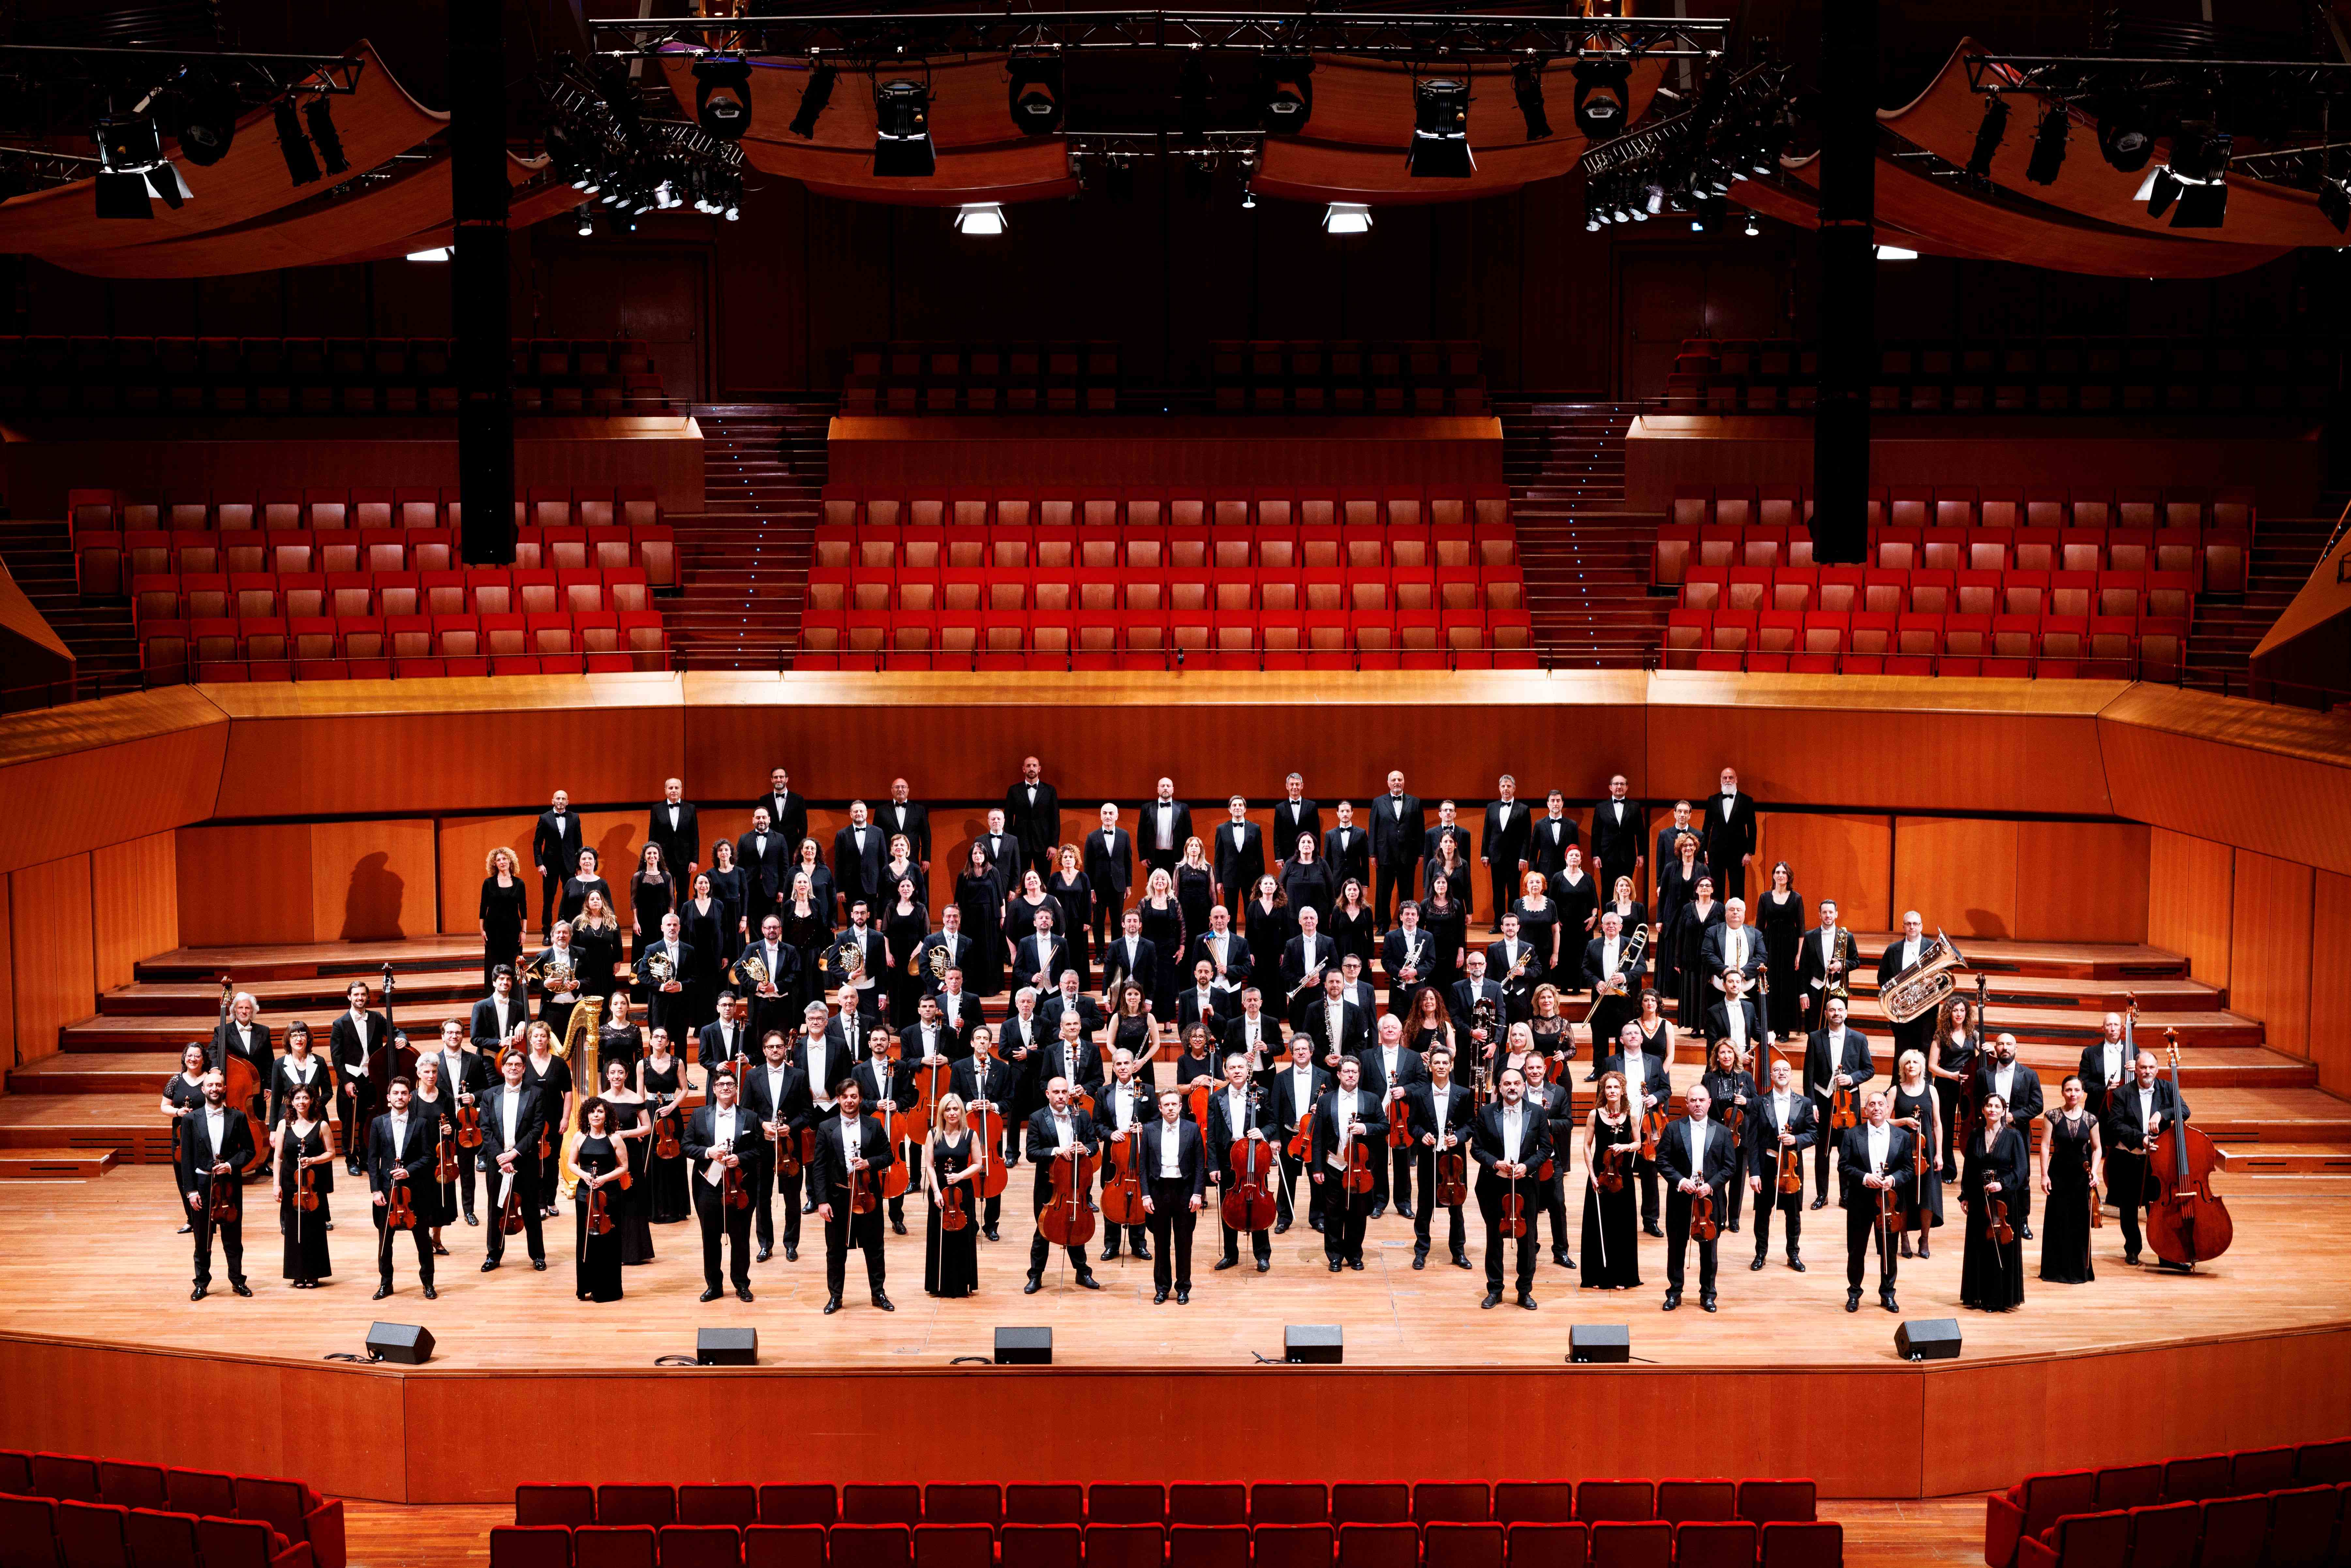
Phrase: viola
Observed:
(1249, 1204)
(1301, 1142)
(2001, 1230)
(599, 1213)
(931, 1086)
(1399, 1127)
(2187, 1223)
(952, 1215)
(894, 1180)
(1511, 1223)
(1452, 1176)
(223, 1203)
(862, 1199)
(1652, 1127)
(1197, 1097)
(1610, 1175)
(1122, 1197)
(790, 1147)
(1792, 1170)
(665, 1143)
(399, 1209)
(1068, 1220)
(1358, 1177)
(734, 1191)
(445, 1159)
(989, 1178)
(510, 1218)
(305, 1182)
(1702, 1224)
(1841, 1111)
(469, 1126)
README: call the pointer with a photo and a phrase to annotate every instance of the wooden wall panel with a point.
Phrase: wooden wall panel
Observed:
(1829, 855)
(2269, 779)
(134, 904)
(1959, 874)
(2269, 938)
(464, 843)
(2188, 893)
(98, 773)
(2081, 882)
(372, 881)
(244, 883)
(2330, 982)
(8, 997)
(53, 950)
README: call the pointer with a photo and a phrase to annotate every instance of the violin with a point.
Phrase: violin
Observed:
(1301, 1142)
(445, 1159)
(1197, 1097)
(2187, 1223)
(790, 1148)
(469, 1126)
(400, 1210)
(953, 1214)
(1452, 1175)
(223, 1204)
(1703, 1226)
(665, 1143)
(894, 1180)
(1608, 1175)
(599, 1213)
(2002, 1231)
(1512, 1221)
(1358, 1176)
(1842, 1113)
(1122, 1197)
(1652, 1127)
(1399, 1127)
(1249, 1204)
(510, 1220)
(1791, 1171)
(305, 1179)
(1068, 1220)
(734, 1191)
(862, 1199)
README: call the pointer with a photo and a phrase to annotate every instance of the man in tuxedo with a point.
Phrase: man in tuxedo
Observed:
(400, 1152)
(1020, 1040)
(1068, 1002)
(826, 1054)
(1161, 827)
(846, 1143)
(672, 825)
(872, 954)
(728, 1038)
(1043, 958)
(1294, 816)
(499, 1018)
(1306, 959)
(1358, 990)
(661, 974)
(1511, 956)
(722, 1136)
(1003, 851)
(1463, 848)
(1616, 987)
(1347, 851)
(1058, 1131)
(1399, 824)
(1555, 1103)
(1032, 812)
(902, 814)
(959, 1014)
(1110, 867)
(948, 939)
(1438, 1113)
(1824, 962)
(1733, 945)
(353, 1042)
(985, 1081)
(1873, 1158)
(1226, 952)
(1236, 1115)
(2001, 1074)
(1836, 1058)
(1171, 1157)
(1729, 842)
(1510, 1139)
(883, 1083)
(1298, 1087)
(1345, 1118)
(1237, 852)
(1391, 1068)
(1133, 956)
(1784, 1120)
(1549, 837)
(463, 1075)
(787, 814)
(1335, 1025)
(1695, 1154)
(1070, 1055)
(1506, 845)
(512, 1115)
(1408, 957)
(859, 851)
(1902, 954)
(1649, 1086)
(1124, 1104)
(763, 853)
(1203, 1004)
(2137, 1115)
(925, 1043)
(1616, 834)
(216, 1146)
(241, 1035)
(771, 993)
(2106, 1064)
(555, 847)
(775, 1096)
(1474, 1039)
(1733, 1017)
(1252, 1033)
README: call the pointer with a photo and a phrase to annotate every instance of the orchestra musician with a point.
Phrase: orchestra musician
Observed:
(1298, 1088)
(1408, 957)
(1836, 1058)
(555, 845)
(2135, 1117)
(2107, 1063)
(1234, 1117)
(776, 1094)
(985, 1081)
(1778, 1122)
(1253, 1033)
(1238, 852)
(1390, 1068)
(1518, 965)
(399, 1147)
(357, 1035)
(240, 1035)
(1399, 828)
(513, 1113)
(1649, 1086)
(1902, 954)
(1616, 832)
(1059, 1130)
(1695, 1155)
(1555, 1103)
(1731, 1089)
(1344, 1116)
(498, 1018)
(1033, 813)
(1729, 829)
(1477, 1006)
(719, 1138)
(666, 1006)
(216, 1146)
(1347, 850)
(1125, 1102)
(1333, 1024)
(1510, 1139)
(851, 1142)
(1171, 1158)
(1612, 986)
(1295, 816)
(299, 1067)
(2018, 1087)
(881, 1079)
(1733, 1016)
(1823, 964)
(1438, 1113)
(727, 1038)
(1875, 1158)
(463, 1075)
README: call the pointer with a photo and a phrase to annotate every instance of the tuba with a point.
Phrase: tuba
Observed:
(1921, 989)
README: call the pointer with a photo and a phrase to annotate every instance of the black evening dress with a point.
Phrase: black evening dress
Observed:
(1357, 934)
(576, 890)
(503, 912)
(182, 1095)
(1927, 1200)
(905, 933)
(1447, 925)
(1195, 895)
(1538, 929)
(306, 1230)
(1688, 937)
(634, 1209)
(704, 933)
(672, 1201)
(621, 1043)
(1075, 895)
(729, 887)
(1783, 942)
(1163, 929)
(1611, 1220)
(596, 1272)
(2065, 1218)
(1992, 1276)
(1578, 902)
(951, 1258)
(979, 899)
(553, 1083)
(1268, 930)
(651, 901)
(1673, 891)
(600, 949)
(808, 936)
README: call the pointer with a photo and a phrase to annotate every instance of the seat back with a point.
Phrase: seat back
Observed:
(543, 1505)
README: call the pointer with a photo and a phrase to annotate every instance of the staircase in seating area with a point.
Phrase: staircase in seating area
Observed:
(743, 563)
(1586, 558)
(2229, 627)
(40, 556)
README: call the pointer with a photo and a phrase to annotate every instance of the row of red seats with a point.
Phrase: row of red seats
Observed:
(2296, 1528)
(1226, 547)
(1731, 1543)
(1258, 360)
(89, 357)
(103, 560)
(1853, 588)
(1129, 640)
(604, 396)
(1818, 642)
(2038, 1501)
(1138, 509)
(1057, 394)
(914, 359)
(1970, 394)
(329, 508)
(41, 1533)
(486, 590)
(1968, 505)
(1760, 1499)
(271, 648)
(288, 1508)
(1464, 396)
(2216, 555)
(2236, 355)
(1226, 590)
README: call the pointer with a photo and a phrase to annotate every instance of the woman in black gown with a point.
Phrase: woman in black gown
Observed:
(2072, 1160)
(620, 1038)
(1953, 1067)
(1074, 892)
(1028, 900)
(899, 867)
(701, 926)
(1677, 885)
(1554, 1037)
(808, 931)
(629, 1125)
(1428, 1024)
(1630, 911)
(652, 892)
(1350, 924)
(1163, 927)
(1131, 1026)
(980, 899)
(950, 1258)
(1195, 891)
(597, 934)
(1611, 1220)
(1991, 1275)
(808, 858)
(183, 1095)
(1445, 914)
(302, 1141)
(551, 1075)
(1451, 862)
(1733, 1088)
(1578, 896)
(905, 921)
(730, 886)
(597, 1166)
(1779, 911)
(1685, 941)
(585, 879)
(661, 1079)
(1915, 1107)
(300, 1066)
(1199, 1058)
(435, 1201)
(1266, 923)
(504, 909)
(1537, 914)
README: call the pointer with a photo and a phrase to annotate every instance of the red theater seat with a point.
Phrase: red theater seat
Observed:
(1788, 1544)
(1208, 1546)
(1125, 1503)
(868, 1545)
(1125, 1545)
(1035, 1546)
(142, 1486)
(1379, 1546)
(1623, 1543)
(1287, 1502)
(954, 1546)
(2302, 1525)
(1290, 1546)
(1547, 1545)
(161, 1540)
(622, 1504)
(1371, 1502)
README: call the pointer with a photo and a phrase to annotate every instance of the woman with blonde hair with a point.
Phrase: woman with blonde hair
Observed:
(1611, 1220)
(950, 1258)
(503, 912)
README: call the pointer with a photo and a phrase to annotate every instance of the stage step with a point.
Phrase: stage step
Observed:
(2286, 1158)
(312, 999)
(54, 1165)
(88, 1125)
(345, 961)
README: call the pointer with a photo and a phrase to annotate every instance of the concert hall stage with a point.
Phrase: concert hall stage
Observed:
(97, 1333)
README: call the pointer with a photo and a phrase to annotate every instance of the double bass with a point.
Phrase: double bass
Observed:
(240, 1081)
(2187, 1223)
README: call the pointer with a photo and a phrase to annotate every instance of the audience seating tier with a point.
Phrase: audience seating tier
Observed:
(904, 378)
(69, 1511)
(2282, 1507)
(1348, 376)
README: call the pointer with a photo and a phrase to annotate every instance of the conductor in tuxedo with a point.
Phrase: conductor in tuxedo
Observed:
(1505, 845)
(1237, 853)
(1901, 953)
(846, 1141)
(512, 1115)
(1836, 1058)
(1293, 814)
(1162, 825)
(400, 1148)
(215, 1146)
(1399, 827)
(786, 812)
(776, 1094)
(1033, 813)
(555, 847)
(1695, 1154)
(722, 1136)
(2137, 1115)
(1172, 1158)
(661, 976)
(1727, 839)
(1510, 1139)
(673, 826)
(1110, 868)
(1058, 1132)
(1875, 1158)
(1616, 834)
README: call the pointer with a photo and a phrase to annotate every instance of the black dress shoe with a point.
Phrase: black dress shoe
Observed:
(439, 1250)
(1404, 1209)
(1336, 1265)
(1356, 1264)
(488, 1264)
(1108, 1253)
(1820, 1203)
(991, 1234)
(1159, 1298)
(808, 1207)
(1795, 1262)
(762, 1255)
(831, 1305)
(1733, 1227)
(1087, 1282)
(742, 1292)
(431, 1294)
(1315, 1225)
(882, 1300)
(1706, 1301)
(200, 1293)
(1280, 1226)
(1183, 1295)
(898, 1228)
(1420, 1260)
(1653, 1229)
(712, 1294)
(240, 1287)
(1673, 1299)
(1758, 1263)
(1493, 1298)
(540, 1264)
(1225, 1263)
(1143, 1254)
(2025, 1231)
(1263, 1264)
(186, 1229)
(1381, 1211)
(1887, 1301)
(1852, 1299)
(380, 1291)
(1560, 1257)
(2131, 1258)
(1527, 1300)
(1461, 1259)
(791, 1253)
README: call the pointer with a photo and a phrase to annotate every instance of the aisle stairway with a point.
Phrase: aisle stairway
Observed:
(743, 564)
(2228, 628)
(1586, 558)
(40, 556)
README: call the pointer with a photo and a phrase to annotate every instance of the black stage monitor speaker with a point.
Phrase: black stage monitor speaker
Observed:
(406, 1344)
(1599, 1342)
(1929, 1339)
(1316, 1345)
(1024, 1347)
(727, 1347)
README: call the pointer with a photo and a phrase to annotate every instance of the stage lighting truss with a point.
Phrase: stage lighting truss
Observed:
(601, 143)
(1736, 128)
(1098, 157)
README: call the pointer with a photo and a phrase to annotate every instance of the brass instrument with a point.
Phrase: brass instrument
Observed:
(1840, 969)
(940, 964)
(555, 980)
(751, 965)
(844, 961)
(1922, 987)
(1628, 958)
(664, 971)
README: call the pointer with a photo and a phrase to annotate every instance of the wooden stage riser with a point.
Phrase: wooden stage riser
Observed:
(1898, 1431)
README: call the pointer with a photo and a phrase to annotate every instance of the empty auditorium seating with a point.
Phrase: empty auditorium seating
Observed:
(66, 1510)
(981, 377)
(49, 375)
(2275, 1506)
(1140, 579)
(1348, 377)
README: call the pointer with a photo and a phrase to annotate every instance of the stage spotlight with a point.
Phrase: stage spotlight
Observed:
(586, 227)
(206, 123)
(1988, 137)
(2200, 152)
(901, 145)
(813, 97)
(1286, 94)
(979, 218)
(1752, 230)
(722, 95)
(322, 121)
(2049, 146)
(438, 252)
(1896, 253)
(1526, 85)
(2160, 190)
(1192, 97)
(1249, 200)
(2126, 134)
(302, 164)
(2201, 206)
(1347, 218)
(1035, 94)
(133, 170)
(1599, 96)
(1440, 131)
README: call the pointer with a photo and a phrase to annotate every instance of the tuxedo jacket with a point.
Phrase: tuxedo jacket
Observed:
(470, 1076)
(1147, 828)
(1394, 960)
(958, 1028)
(788, 814)
(226, 1041)
(870, 1076)
(1044, 1140)
(1889, 963)
(2023, 1094)
(2093, 1072)
(1462, 1003)
(715, 1049)
(555, 851)
(1011, 1035)
(1426, 1117)
(1596, 970)
(1725, 839)
(1465, 846)
(947, 1044)
(1714, 954)
(858, 874)
(1813, 964)
(783, 964)
(1239, 855)
(1191, 1153)
(1326, 1125)
(1547, 843)
(1223, 1131)
(1351, 859)
(702, 1134)
(840, 1060)
(2125, 1128)
(1508, 834)
(1286, 1109)
(872, 949)
(1144, 1109)
(1497, 965)
(413, 1154)
(1297, 958)
(1763, 1131)
(1236, 1035)
(766, 877)
(1141, 965)
(284, 1079)
(1291, 821)
(1721, 1161)
(1557, 1103)
(1189, 1011)
(1854, 1061)
(1853, 1164)
(679, 962)
(530, 1115)
(1000, 1083)
(1050, 1011)
(1314, 1022)
(1239, 961)
(959, 953)
(1086, 1072)
(1028, 961)
(1110, 867)
(832, 1168)
(197, 1157)
(1656, 1078)
(792, 1104)
(1411, 1068)
(1717, 1021)
(1486, 1148)
(1038, 827)
(679, 846)
(1668, 833)
(344, 1044)
(1616, 843)
(914, 823)
(483, 1030)
(1398, 825)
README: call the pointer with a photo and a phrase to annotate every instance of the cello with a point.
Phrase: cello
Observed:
(989, 1178)
(1122, 1196)
(2187, 1223)
(1249, 1205)
(241, 1083)
(1068, 1218)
